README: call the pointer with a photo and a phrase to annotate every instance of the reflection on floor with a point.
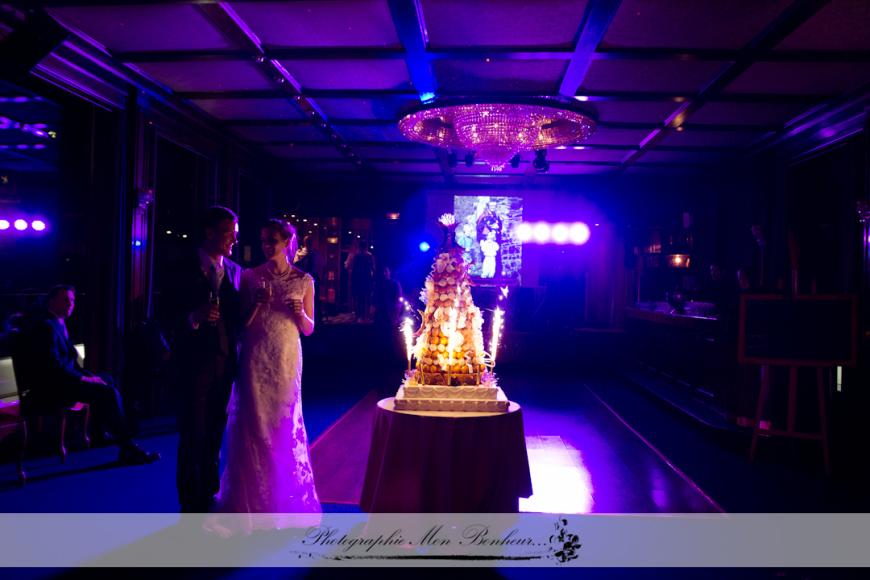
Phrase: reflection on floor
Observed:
(560, 480)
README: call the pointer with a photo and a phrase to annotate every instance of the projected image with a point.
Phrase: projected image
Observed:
(486, 231)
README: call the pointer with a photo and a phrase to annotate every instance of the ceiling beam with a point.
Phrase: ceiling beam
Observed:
(478, 53)
(410, 26)
(234, 28)
(591, 96)
(596, 21)
(797, 13)
(767, 54)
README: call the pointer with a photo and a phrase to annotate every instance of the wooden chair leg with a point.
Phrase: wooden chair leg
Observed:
(22, 447)
(62, 449)
(791, 421)
(759, 410)
(85, 422)
(823, 418)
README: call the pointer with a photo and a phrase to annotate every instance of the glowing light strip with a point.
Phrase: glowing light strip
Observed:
(576, 233)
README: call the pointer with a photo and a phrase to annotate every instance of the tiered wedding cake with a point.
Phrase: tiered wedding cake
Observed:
(450, 373)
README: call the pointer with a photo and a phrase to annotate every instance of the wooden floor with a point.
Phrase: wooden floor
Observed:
(595, 445)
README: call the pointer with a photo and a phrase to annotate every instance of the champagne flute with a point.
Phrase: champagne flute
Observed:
(264, 292)
(214, 298)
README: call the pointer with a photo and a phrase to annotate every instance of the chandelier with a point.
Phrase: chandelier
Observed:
(496, 131)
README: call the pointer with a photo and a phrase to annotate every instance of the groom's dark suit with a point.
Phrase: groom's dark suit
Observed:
(205, 361)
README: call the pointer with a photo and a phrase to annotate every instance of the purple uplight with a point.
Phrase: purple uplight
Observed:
(38, 225)
(541, 232)
(576, 233)
(20, 225)
(579, 233)
(4, 225)
(560, 233)
(524, 232)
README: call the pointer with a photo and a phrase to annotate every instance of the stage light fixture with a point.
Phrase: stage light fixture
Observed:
(578, 233)
(560, 233)
(4, 225)
(424, 246)
(524, 232)
(20, 225)
(540, 163)
(541, 232)
(38, 225)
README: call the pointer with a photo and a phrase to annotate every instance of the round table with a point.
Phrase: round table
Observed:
(446, 462)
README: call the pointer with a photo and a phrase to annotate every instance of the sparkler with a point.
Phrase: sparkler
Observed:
(497, 321)
(408, 331)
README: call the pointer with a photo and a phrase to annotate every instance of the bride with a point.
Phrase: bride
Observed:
(268, 469)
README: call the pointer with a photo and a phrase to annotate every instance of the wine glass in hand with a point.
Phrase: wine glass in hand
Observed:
(214, 314)
(295, 306)
(263, 294)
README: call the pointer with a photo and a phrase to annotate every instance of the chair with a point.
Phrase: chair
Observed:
(28, 409)
(11, 423)
(62, 413)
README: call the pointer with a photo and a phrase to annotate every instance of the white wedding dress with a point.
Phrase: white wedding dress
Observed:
(268, 468)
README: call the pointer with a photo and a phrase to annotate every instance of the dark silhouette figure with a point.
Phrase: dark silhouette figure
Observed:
(51, 379)
(206, 309)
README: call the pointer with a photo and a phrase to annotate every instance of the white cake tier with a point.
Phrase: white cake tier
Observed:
(484, 392)
(499, 404)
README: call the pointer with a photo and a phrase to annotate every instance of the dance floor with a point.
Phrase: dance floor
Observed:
(596, 445)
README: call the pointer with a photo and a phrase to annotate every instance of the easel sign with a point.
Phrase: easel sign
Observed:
(815, 330)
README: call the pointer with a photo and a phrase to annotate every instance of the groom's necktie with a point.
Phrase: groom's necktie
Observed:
(213, 279)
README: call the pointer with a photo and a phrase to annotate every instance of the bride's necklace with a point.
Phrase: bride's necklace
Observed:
(279, 275)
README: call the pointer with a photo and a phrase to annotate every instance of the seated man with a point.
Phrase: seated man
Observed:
(51, 378)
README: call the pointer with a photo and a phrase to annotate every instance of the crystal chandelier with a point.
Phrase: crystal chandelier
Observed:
(496, 131)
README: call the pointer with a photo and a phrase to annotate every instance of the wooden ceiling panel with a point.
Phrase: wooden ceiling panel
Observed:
(471, 77)
(230, 109)
(460, 23)
(144, 27)
(690, 23)
(841, 25)
(649, 76)
(212, 75)
(319, 23)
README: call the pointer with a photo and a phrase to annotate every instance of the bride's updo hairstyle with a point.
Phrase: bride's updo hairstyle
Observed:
(285, 231)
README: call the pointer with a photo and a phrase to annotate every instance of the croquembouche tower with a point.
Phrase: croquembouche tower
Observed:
(452, 371)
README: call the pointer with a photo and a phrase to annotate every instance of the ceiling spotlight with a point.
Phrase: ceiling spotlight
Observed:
(469, 159)
(540, 163)
(515, 161)
(452, 159)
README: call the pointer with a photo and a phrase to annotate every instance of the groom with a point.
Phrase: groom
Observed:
(206, 307)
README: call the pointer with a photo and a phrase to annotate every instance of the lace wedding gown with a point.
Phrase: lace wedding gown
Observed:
(268, 469)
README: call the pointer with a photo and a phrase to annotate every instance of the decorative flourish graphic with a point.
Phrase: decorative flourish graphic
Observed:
(564, 544)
